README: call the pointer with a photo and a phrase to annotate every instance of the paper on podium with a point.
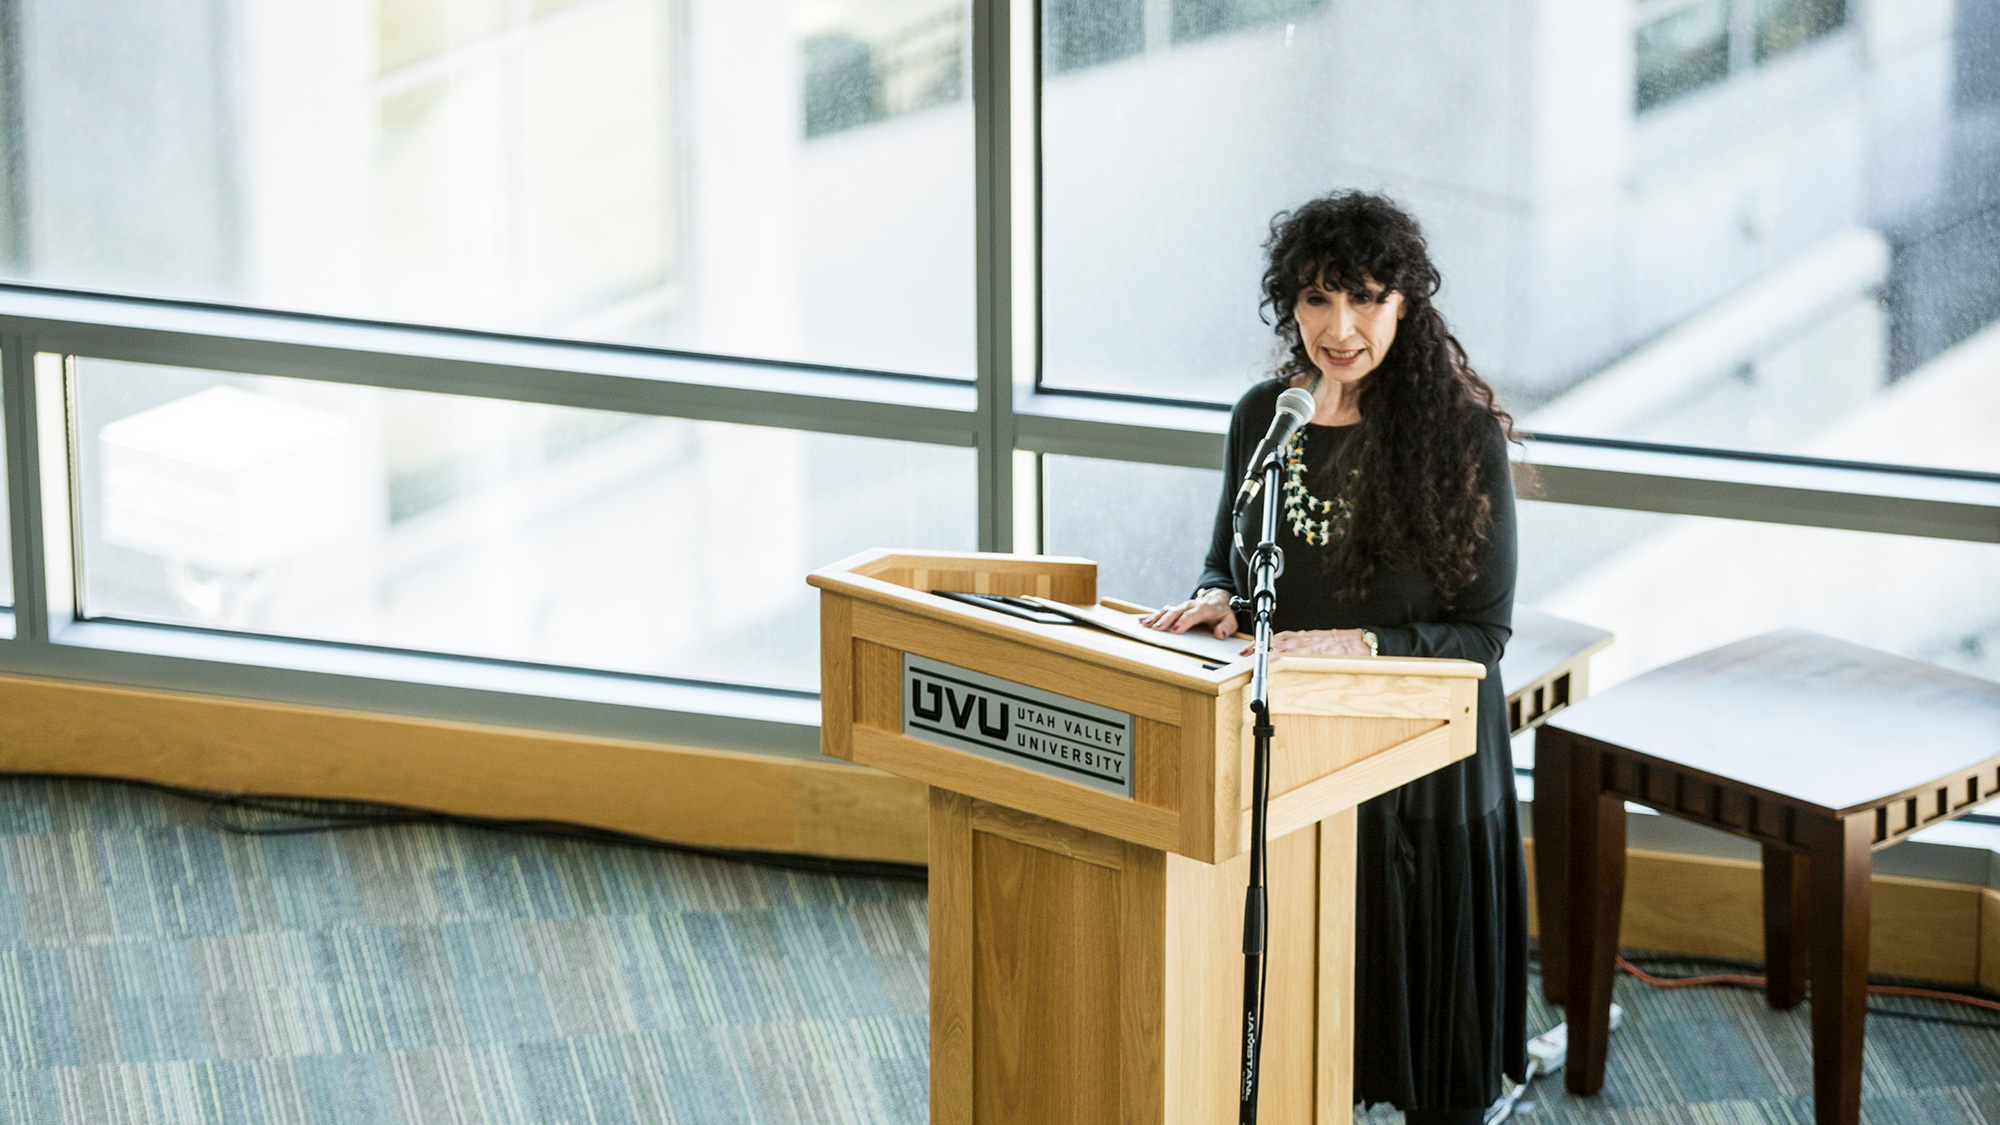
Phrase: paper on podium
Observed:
(1200, 643)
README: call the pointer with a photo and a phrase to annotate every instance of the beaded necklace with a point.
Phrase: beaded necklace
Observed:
(1301, 506)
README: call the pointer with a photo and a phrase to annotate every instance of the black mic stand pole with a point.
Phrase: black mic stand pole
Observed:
(1266, 564)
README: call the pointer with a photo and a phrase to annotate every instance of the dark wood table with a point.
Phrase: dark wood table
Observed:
(1546, 666)
(1821, 751)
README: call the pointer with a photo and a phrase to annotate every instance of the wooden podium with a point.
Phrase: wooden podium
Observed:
(1088, 834)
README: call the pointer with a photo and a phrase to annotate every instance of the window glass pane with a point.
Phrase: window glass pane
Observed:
(1785, 264)
(481, 527)
(1681, 52)
(780, 178)
(1672, 586)
(1146, 526)
(1785, 24)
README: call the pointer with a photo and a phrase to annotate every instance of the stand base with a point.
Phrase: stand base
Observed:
(1079, 978)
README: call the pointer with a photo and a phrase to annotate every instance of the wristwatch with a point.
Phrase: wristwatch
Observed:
(1374, 642)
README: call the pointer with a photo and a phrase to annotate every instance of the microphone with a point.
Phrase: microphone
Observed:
(1295, 409)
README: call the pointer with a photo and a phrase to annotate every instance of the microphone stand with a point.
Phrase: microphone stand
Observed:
(1266, 564)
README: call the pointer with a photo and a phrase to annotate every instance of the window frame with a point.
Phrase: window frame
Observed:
(1004, 415)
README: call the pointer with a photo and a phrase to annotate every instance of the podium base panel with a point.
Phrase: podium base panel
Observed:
(1079, 978)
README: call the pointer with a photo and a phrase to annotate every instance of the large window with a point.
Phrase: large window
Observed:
(1736, 269)
(652, 171)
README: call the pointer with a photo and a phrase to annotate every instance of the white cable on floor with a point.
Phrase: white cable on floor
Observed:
(1547, 1053)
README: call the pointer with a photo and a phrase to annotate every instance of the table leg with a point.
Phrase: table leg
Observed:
(1549, 816)
(1786, 927)
(1596, 896)
(1838, 872)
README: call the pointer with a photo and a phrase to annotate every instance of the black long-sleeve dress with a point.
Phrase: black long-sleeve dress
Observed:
(1441, 911)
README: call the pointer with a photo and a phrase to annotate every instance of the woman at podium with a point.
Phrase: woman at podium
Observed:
(1397, 525)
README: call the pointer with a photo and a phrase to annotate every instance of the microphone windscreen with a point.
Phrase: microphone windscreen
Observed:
(1298, 403)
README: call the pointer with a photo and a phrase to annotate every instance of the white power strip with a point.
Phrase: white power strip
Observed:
(1547, 1053)
(1551, 1048)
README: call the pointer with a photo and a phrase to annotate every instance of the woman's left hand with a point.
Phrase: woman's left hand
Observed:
(1317, 642)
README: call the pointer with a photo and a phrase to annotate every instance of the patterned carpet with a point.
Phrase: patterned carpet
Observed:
(1719, 1056)
(155, 969)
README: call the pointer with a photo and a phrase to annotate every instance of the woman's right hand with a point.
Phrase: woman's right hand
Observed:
(1211, 610)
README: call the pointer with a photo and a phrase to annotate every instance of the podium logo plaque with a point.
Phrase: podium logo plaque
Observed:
(1023, 726)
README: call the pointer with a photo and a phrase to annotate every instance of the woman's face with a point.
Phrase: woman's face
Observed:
(1345, 335)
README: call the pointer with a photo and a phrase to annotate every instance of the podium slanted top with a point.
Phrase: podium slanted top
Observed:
(1102, 731)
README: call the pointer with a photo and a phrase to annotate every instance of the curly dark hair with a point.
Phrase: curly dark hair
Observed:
(1426, 415)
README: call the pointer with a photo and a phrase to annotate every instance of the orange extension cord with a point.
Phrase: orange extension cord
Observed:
(1746, 981)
